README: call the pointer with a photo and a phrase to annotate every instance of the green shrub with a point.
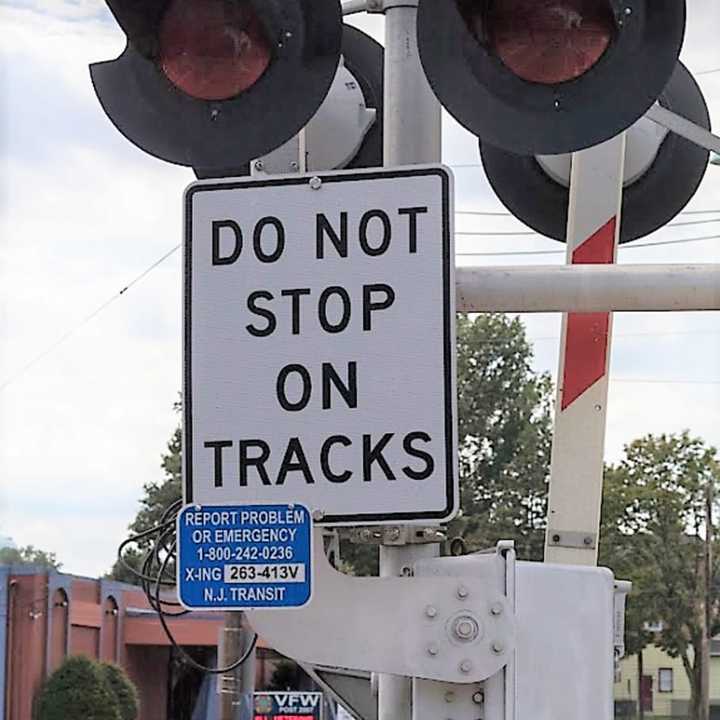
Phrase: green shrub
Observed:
(77, 690)
(123, 688)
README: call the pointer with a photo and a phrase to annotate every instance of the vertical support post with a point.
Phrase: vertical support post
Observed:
(576, 472)
(235, 688)
(411, 135)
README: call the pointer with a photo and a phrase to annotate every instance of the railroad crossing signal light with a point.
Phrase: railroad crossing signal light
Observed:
(214, 83)
(662, 171)
(549, 76)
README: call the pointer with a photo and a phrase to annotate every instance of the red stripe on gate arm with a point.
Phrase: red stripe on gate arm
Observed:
(586, 337)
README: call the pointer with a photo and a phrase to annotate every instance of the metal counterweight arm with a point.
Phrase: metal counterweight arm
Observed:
(413, 626)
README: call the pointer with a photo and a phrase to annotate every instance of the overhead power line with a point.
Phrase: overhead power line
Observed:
(634, 246)
(63, 338)
(486, 213)
(66, 336)
(531, 232)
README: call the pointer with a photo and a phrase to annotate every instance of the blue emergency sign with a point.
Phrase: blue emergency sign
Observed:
(240, 557)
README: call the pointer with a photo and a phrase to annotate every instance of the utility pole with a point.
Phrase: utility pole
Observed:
(240, 682)
(706, 616)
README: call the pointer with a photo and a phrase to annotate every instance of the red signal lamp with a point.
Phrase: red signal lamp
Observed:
(547, 77)
(212, 50)
(200, 81)
(550, 41)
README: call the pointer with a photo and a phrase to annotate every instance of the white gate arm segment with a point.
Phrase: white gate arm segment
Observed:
(453, 629)
(683, 127)
(588, 288)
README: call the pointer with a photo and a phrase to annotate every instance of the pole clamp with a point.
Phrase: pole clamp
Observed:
(575, 539)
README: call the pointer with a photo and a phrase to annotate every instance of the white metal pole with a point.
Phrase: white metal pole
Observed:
(411, 135)
(576, 470)
(588, 288)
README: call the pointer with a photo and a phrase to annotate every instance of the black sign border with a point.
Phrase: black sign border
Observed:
(443, 173)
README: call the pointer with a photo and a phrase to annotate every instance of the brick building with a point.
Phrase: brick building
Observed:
(46, 615)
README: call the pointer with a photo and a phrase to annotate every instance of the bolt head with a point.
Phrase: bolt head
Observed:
(431, 611)
(497, 647)
(496, 609)
(318, 514)
(478, 698)
(315, 183)
(465, 666)
(465, 628)
(432, 649)
(259, 165)
(462, 592)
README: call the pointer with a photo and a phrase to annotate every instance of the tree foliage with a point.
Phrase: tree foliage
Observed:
(653, 533)
(157, 497)
(77, 689)
(29, 555)
(123, 688)
(505, 436)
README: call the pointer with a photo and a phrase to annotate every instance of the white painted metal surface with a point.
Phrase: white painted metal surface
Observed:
(411, 134)
(411, 110)
(588, 288)
(342, 397)
(407, 626)
(544, 650)
(564, 656)
(562, 667)
(682, 126)
(338, 128)
(576, 471)
(432, 700)
(350, 7)
(644, 139)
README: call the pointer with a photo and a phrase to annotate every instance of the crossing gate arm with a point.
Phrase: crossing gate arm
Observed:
(588, 288)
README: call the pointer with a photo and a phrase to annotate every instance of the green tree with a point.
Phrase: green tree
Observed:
(656, 503)
(505, 435)
(504, 432)
(29, 555)
(157, 497)
(77, 690)
(124, 690)
(285, 676)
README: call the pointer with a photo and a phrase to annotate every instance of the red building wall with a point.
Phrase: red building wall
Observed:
(26, 643)
(52, 614)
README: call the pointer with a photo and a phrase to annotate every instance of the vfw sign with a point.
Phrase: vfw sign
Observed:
(288, 705)
(319, 345)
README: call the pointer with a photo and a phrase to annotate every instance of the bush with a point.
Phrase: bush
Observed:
(77, 690)
(123, 688)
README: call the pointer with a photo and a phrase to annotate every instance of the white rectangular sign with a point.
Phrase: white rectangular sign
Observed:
(319, 344)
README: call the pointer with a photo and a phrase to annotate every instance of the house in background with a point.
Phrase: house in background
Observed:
(664, 689)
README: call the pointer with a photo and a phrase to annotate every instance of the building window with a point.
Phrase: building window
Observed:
(665, 680)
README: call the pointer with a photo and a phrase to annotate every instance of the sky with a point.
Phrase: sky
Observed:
(85, 417)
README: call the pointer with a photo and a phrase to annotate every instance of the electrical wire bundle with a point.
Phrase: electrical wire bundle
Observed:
(157, 571)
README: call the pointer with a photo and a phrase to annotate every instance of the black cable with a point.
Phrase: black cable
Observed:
(151, 583)
(135, 538)
(188, 658)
